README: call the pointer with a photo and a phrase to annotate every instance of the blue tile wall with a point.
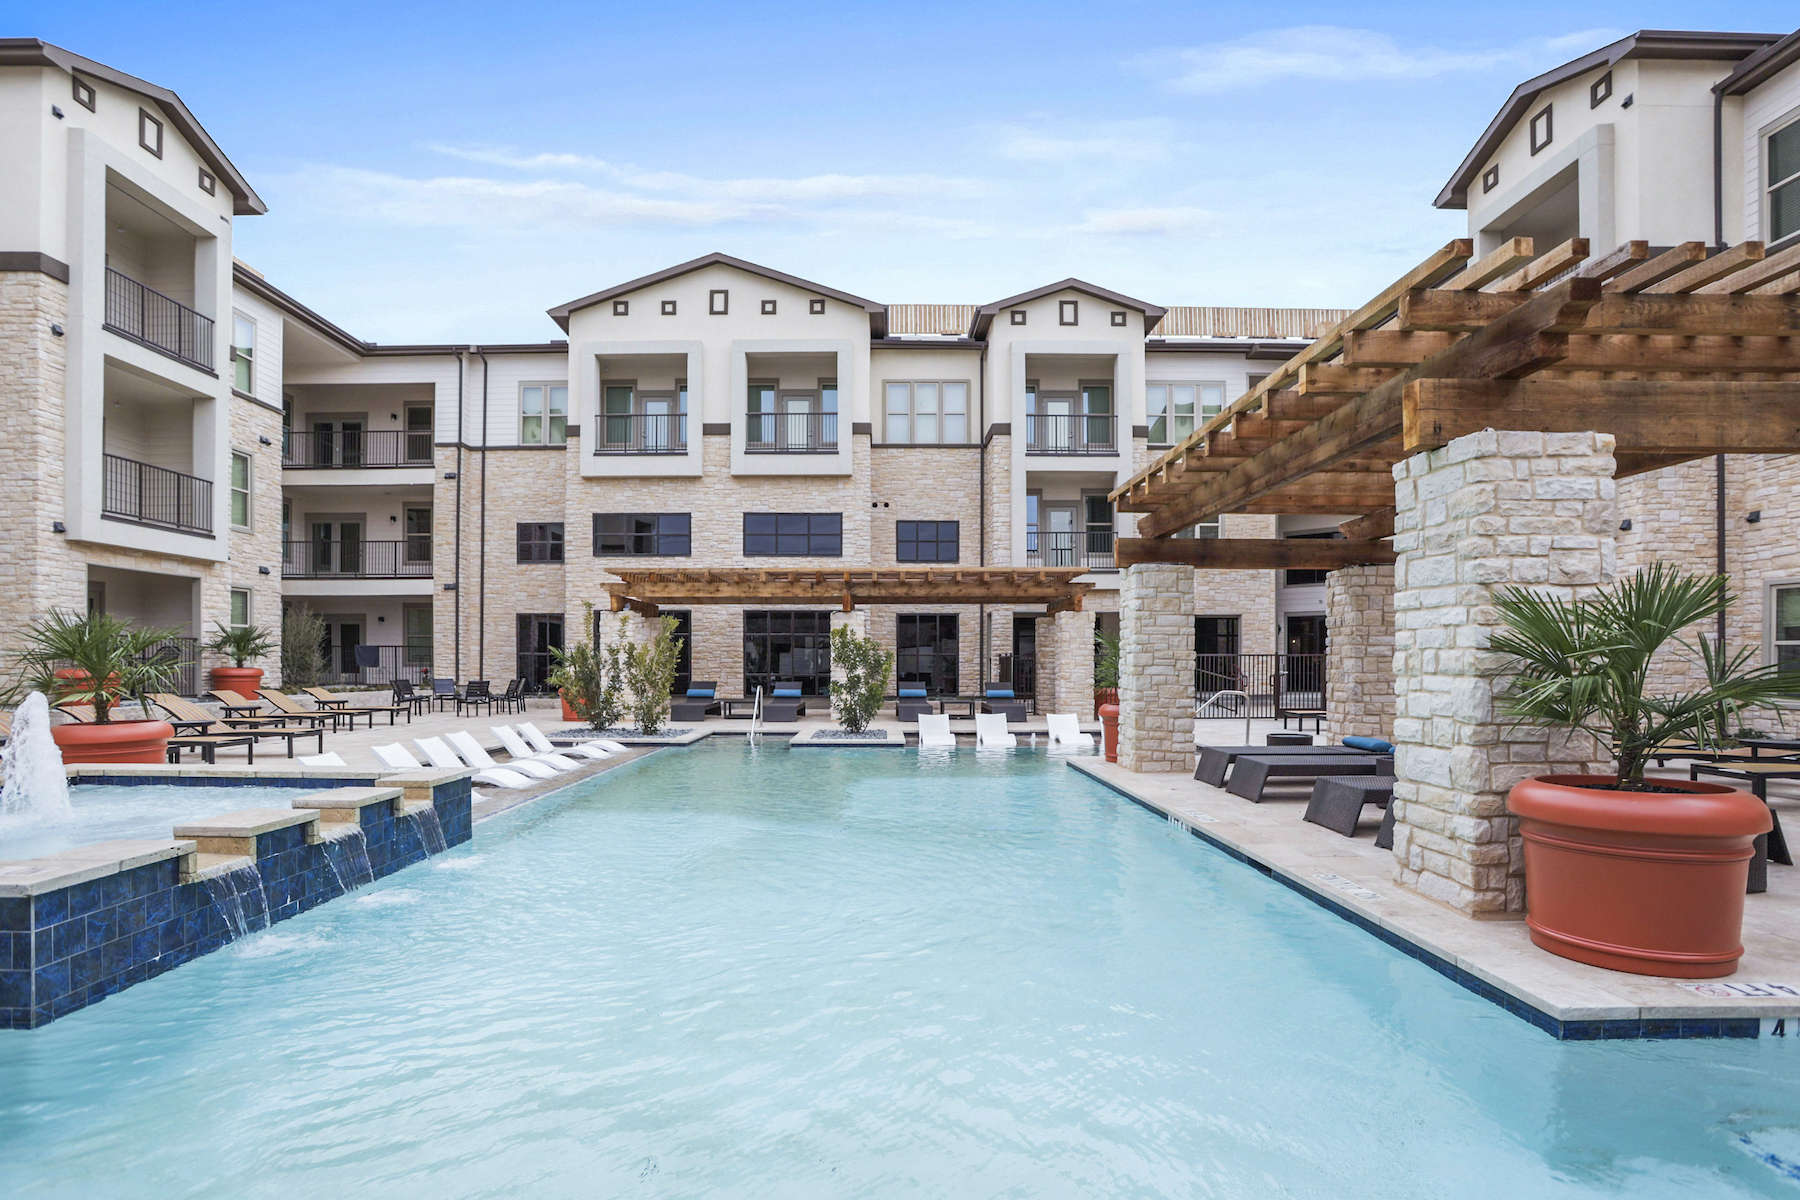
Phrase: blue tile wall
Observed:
(72, 947)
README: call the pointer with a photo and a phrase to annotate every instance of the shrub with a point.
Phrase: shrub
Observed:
(1106, 659)
(588, 677)
(302, 646)
(649, 669)
(865, 668)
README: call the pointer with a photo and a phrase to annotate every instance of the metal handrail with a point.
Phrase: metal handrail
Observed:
(341, 559)
(145, 315)
(1071, 433)
(353, 448)
(136, 491)
(791, 433)
(642, 433)
(1092, 548)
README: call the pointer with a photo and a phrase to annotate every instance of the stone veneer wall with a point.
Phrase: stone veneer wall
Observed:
(260, 544)
(1359, 654)
(1488, 510)
(1156, 668)
(1065, 664)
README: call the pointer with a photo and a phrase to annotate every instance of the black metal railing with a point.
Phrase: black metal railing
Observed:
(642, 433)
(376, 666)
(355, 448)
(146, 315)
(408, 559)
(791, 433)
(1066, 433)
(1090, 548)
(136, 491)
(1275, 684)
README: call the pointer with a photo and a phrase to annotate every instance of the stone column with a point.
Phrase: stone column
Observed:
(1065, 664)
(1488, 510)
(1156, 668)
(1359, 653)
(857, 620)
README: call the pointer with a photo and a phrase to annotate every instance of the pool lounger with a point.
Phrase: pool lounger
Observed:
(1337, 803)
(1065, 730)
(443, 758)
(990, 730)
(534, 737)
(1216, 760)
(1254, 771)
(520, 752)
(934, 730)
(471, 752)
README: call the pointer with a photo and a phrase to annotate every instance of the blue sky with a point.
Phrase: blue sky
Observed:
(447, 172)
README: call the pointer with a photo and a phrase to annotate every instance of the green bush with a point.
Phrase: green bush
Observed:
(302, 647)
(588, 677)
(649, 669)
(865, 668)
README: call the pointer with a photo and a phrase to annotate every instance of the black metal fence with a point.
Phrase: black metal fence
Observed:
(1273, 684)
(1071, 433)
(407, 559)
(375, 666)
(642, 433)
(791, 433)
(156, 496)
(1090, 548)
(146, 315)
(355, 448)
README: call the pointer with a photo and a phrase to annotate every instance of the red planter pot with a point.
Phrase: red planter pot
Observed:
(74, 679)
(242, 680)
(1109, 726)
(1645, 882)
(116, 742)
(569, 714)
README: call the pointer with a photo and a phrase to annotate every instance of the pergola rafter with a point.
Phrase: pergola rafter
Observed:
(649, 591)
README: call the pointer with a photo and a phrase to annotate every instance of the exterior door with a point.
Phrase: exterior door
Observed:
(659, 424)
(1058, 535)
(1024, 656)
(684, 653)
(336, 548)
(419, 433)
(418, 541)
(925, 652)
(798, 424)
(1305, 682)
(1056, 423)
(338, 443)
(539, 635)
(342, 636)
(416, 627)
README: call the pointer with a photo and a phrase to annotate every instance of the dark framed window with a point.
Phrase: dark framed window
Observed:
(1018, 316)
(1118, 318)
(84, 93)
(768, 308)
(1541, 131)
(668, 308)
(815, 307)
(800, 535)
(1216, 663)
(925, 652)
(539, 635)
(718, 302)
(925, 541)
(150, 133)
(1307, 575)
(1490, 179)
(1600, 91)
(621, 308)
(787, 647)
(1068, 312)
(540, 541)
(666, 535)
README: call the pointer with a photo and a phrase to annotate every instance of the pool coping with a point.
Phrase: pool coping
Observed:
(1493, 959)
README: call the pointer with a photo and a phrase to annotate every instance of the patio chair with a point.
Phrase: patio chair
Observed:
(1254, 772)
(443, 691)
(444, 759)
(331, 758)
(475, 694)
(252, 707)
(1065, 730)
(910, 704)
(990, 730)
(520, 752)
(534, 737)
(471, 752)
(326, 700)
(1337, 802)
(934, 730)
(1000, 701)
(786, 703)
(187, 713)
(405, 693)
(209, 744)
(513, 698)
(1215, 761)
(699, 703)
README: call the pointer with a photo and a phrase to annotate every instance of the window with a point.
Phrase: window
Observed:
(540, 541)
(621, 308)
(1784, 183)
(652, 535)
(925, 541)
(768, 308)
(1204, 531)
(789, 647)
(1540, 130)
(1174, 407)
(240, 607)
(1600, 91)
(1018, 316)
(419, 433)
(718, 302)
(798, 535)
(543, 414)
(84, 93)
(816, 307)
(150, 133)
(928, 411)
(668, 308)
(1068, 312)
(418, 539)
(925, 652)
(240, 490)
(243, 354)
(1784, 628)
(1307, 576)
(1215, 635)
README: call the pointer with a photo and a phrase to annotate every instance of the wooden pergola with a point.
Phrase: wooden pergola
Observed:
(647, 592)
(1679, 354)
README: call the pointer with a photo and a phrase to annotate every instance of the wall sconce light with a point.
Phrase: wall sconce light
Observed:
(381, 620)
(449, 587)
(56, 331)
(58, 527)
(263, 571)
(56, 112)
(265, 441)
(449, 474)
(1755, 516)
(393, 519)
(393, 416)
(1625, 525)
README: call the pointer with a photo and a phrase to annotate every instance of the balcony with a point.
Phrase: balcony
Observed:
(791, 433)
(642, 433)
(1091, 549)
(1071, 433)
(152, 319)
(157, 496)
(355, 448)
(408, 559)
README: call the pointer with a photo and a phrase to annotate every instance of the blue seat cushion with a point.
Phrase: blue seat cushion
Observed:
(1372, 745)
(912, 693)
(999, 693)
(787, 693)
(701, 693)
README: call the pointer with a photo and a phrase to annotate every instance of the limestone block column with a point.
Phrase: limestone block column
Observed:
(1359, 652)
(1489, 510)
(857, 620)
(1156, 668)
(1065, 664)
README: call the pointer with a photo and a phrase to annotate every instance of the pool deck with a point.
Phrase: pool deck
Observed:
(1494, 958)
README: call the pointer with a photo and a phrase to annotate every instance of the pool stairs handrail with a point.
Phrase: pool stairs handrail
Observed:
(990, 731)
(439, 755)
(756, 713)
(534, 737)
(520, 752)
(471, 752)
(1202, 706)
(934, 730)
(1065, 730)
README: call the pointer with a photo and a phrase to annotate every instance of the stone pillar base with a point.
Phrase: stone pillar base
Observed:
(1156, 668)
(1359, 653)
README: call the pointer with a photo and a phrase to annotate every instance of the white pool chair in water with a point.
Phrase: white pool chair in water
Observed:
(330, 758)
(534, 737)
(444, 759)
(1065, 730)
(470, 751)
(520, 752)
(934, 730)
(990, 730)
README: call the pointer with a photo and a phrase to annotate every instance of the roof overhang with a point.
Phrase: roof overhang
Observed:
(877, 311)
(984, 316)
(1761, 66)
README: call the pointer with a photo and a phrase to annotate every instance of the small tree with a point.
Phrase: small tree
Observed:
(302, 646)
(241, 644)
(101, 658)
(1106, 659)
(582, 676)
(650, 673)
(865, 667)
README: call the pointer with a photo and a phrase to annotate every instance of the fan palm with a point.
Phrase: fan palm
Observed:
(103, 658)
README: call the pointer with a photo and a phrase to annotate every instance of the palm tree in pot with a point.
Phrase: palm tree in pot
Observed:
(1634, 874)
(240, 644)
(95, 659)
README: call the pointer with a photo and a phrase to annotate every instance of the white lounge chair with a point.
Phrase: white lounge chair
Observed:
(934, 730)
(444, 759)
(470, 751)
(1065, 730)
(331, 758)
(515, 746)
(534, 737)
(990, 730)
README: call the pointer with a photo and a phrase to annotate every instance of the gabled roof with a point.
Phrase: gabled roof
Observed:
(1760, 66)
(1646, 43)
(984, 316)
(877, 312)
(33, 52)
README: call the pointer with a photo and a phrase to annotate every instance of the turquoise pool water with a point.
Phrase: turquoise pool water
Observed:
(774, 973)
(101, 812)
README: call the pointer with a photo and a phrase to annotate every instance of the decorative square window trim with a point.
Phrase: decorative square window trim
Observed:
(1118, 318)
(768, 308)
(1018, 316)
(1600, 91)
(815, 307)
(1490, 179)
(1068, 312)
(84, 93)
(150, 132)
(718, 302)
(668, 308)
(208, 184)
(621, 308)
(1542, 132)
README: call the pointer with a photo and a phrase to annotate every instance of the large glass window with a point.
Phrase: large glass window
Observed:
(925, 652)
(787, 647)
(240, 490)
(928, 412)
(243, 354)
(543, 414)
(1785, 627)
(925, 541)
(540, 541)
(1784, 183)
(801, 535)
(1177, 409)
(667, 535)
(240, 607)
(1216, 663)
(540, 636)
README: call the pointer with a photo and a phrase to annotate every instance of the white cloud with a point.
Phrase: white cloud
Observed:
(1340, 55)
(1161, 222)
(1124, 141)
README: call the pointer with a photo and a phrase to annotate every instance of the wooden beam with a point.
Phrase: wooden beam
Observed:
(1252, 554)
(1501, 260)
(1633, 352)
(1628, 463)
(1616, 262)
(1327, 378)
(1668, 263)
(1545, 267)
(1292, 406)
(1663, 417)
(1393, 348)
(1720, 265)
(1455, 312)
(1370, 526)
(1756, 275)
(1071, 604)
(1700, 316)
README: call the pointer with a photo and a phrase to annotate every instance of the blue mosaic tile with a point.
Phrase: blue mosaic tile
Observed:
(15, 912)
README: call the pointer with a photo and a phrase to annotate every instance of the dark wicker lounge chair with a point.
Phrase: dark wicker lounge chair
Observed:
(1215, 761)
(1253, 772)
(699, 703)
(1337, 803)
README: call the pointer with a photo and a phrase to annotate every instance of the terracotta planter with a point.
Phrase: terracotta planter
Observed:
(569, 714)
(242, 680)
(116, 742)
(73, 679)
(1646, 882)
(1104, 696)
(1109, 725)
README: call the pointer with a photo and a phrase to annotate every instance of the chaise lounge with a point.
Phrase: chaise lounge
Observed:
(1254, 772)
(700, 702)
(786, 703)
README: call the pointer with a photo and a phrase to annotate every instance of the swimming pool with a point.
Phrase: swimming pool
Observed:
(101, 812)
(733, 971)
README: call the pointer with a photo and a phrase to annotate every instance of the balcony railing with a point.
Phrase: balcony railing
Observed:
(1065, 433)
(409, 559)
(375, 666)
(1273, 683)
(1090, 548)
(791, 433)
(136, 491)
(148, 316)
(642, 433)
(356, 448)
